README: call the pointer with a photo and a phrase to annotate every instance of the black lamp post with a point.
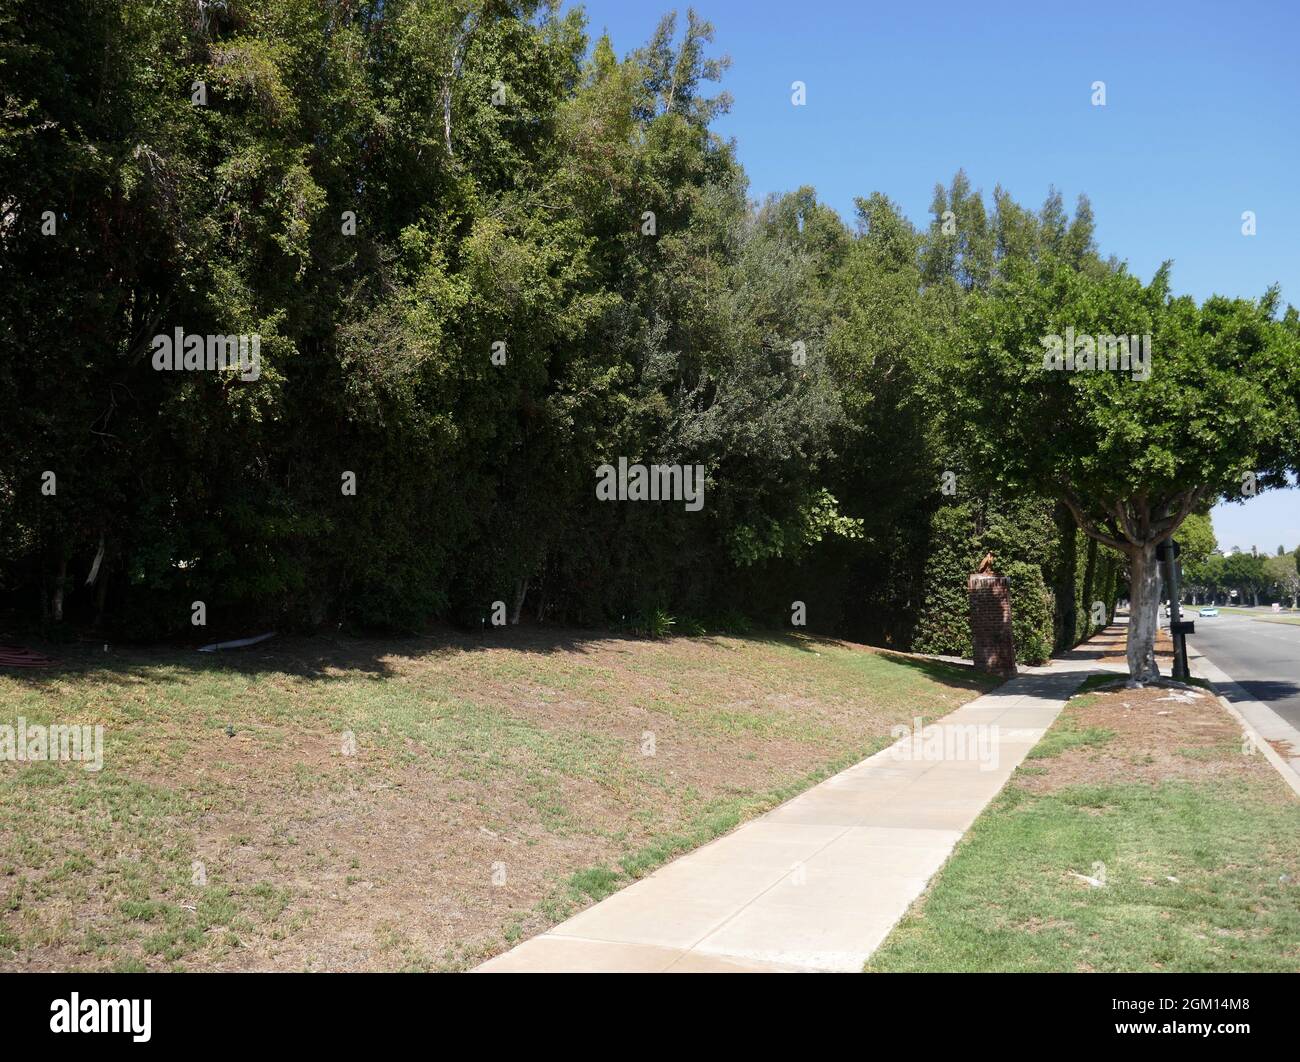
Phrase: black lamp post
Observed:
(1167, 553)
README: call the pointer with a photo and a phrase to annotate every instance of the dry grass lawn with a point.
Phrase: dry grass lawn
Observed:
(498, 783)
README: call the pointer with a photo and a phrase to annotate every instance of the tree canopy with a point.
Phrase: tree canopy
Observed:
(483, 256)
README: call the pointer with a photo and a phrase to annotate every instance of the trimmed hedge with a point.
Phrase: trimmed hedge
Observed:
(1057, 574)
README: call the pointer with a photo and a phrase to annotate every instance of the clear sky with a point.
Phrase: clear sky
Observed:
(1201, 123)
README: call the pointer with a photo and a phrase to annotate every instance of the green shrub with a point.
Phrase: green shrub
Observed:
(1032, 611)
(731, 622)
(655, 623)
(1056, 575)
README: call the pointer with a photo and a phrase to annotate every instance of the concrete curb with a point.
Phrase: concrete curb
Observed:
(1205, 668)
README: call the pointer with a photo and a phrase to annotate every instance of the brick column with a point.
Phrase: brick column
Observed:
(990, 623)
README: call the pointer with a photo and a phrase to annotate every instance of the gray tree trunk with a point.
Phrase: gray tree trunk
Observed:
(446, 110)
(521, 591)
(1144, 610)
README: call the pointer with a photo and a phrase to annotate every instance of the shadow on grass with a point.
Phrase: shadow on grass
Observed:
(329, 658)
(966, 676)
(962, 675)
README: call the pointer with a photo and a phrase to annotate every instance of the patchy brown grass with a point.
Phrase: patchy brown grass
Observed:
(1140, 834)
(499, 782)
(1113, 644)
(1153, 736)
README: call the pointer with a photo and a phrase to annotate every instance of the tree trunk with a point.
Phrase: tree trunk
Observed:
(101, 595)
(541, 599)
(446, 111)
(56, 596)
(521, 591)
(1144, 609)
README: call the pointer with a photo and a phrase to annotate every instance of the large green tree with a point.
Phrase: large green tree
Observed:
(484, 255)
(1131, 452)
(1284, 577)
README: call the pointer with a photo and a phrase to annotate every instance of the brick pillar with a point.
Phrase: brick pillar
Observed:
(990, 623)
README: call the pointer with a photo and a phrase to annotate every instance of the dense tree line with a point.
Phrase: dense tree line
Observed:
(485, 256)
(1244, 578)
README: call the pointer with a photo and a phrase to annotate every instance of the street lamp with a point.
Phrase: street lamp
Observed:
(1167, 553)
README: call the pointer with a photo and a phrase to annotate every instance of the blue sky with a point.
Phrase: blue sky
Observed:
(1201, 123)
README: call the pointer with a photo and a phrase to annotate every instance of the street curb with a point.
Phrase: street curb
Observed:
(1270, 753)
(1288, 773)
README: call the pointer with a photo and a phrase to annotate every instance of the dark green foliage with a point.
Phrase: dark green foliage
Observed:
(944, 625)
(477, 220)
(499, 168)
(1032, 606)
(1056, 576)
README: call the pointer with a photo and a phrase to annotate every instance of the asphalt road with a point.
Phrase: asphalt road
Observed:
(1263, 658)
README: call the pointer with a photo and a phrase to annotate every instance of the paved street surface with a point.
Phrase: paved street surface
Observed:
(817, 883)
(1263, 658)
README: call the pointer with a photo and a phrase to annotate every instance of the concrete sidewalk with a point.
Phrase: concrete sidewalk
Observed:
(817, 883)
